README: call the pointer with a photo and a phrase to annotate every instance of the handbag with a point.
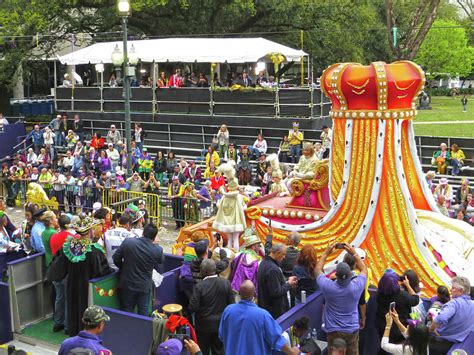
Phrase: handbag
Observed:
(57, 270)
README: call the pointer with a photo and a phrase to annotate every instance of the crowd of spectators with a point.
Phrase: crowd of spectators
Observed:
(455, 203)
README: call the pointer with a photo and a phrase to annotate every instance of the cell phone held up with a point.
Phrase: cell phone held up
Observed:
(339, 246)
(392, 307)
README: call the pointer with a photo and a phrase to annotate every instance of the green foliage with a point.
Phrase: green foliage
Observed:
(446, 50)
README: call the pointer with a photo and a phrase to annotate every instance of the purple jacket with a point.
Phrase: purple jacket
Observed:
(84, 340)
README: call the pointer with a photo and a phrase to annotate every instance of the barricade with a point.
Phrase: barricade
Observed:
(183, 210)
(5, 320)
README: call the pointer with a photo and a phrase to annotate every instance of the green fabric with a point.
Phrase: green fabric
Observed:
(46, 237)
(76, 249)
(44, 331)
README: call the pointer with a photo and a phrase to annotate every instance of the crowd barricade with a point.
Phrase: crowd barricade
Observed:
(181, 209)
(119, 200)
(5, 319)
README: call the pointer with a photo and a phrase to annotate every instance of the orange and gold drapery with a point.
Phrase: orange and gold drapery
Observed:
(376, 184)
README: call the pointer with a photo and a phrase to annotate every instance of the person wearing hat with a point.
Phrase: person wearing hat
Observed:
(295, 139)
(342, 298)
(175, 347)
(245, 264)
(193, 173)
(37, 230)
(93, 319)
(145, 164)
(190, 199)
(202, 253)
(137, 258)
(113, 155)
(441, 158)
(137, 184)
(305, 169)
(113, 135)
(326, 140)
(443, 188)
(79, 260)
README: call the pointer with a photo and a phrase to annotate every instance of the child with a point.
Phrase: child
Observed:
(437, 303)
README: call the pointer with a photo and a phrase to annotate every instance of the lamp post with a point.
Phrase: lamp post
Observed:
(124, 10)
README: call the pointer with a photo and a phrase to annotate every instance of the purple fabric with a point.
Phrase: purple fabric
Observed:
(243, 271)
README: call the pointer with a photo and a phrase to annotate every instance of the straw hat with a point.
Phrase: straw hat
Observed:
(250, 239)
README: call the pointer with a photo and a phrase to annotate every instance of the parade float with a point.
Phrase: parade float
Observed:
(371, 193)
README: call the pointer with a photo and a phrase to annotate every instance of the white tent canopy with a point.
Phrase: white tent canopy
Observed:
(187, 50)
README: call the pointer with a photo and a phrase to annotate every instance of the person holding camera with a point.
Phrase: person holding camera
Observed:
(341, 317)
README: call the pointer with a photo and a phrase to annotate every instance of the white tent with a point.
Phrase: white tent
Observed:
(187, 50)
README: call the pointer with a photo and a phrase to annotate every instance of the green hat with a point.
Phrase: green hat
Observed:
(134, 212)
(94, 315)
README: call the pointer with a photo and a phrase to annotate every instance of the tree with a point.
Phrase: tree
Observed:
(446, 50)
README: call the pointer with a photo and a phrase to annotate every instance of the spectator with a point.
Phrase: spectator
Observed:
(37, 231)
(56, 242)
(217, 181)
(78, 163)
(210, 297)
(342, 296)
(248, 329)
(202, 252)
(464, 103)
(202, 81)
(162, 80)
(261, 170)
(113, 155)
(68, 161)
(259, 146)
(442, 297)
(232, 154)
(351, 261)
(145, 164)
(338, 347)
(222, 141)
(137, 258)
(318, 150)
(212, 156)
(97, 141)
(444, 189)
(105, 165)
(305, 271)
(53, 129)
(37, 138)
(31, 157)
(295, 139)
(205, 197)
(94, 319)
(171, 162)
(245, 81)
(462, 192)
(113, 238)
(292, 252)
(160, 167)
(454, 323)
(193, 173)
(416, 336)
(136, 183)
(284, 150)
(113, 135)
(152, 185)
(261, 80)
(78, 127)
(457, 159)
(139, 136)
(389, 291)
(51, 224)
(176, 80)
(272, 285)
(326, 141)
(441, 158)
(58, 189)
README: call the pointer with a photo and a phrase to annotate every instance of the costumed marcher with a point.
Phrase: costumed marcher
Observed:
(79, 260)
(230, 218)
(244, 170)
(306, 166)
(175, 193)
(190, 199)
(245, 265)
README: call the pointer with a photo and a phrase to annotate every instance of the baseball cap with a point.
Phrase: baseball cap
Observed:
(170, 347)
(201, 246)
(94, 315)
(343, 271)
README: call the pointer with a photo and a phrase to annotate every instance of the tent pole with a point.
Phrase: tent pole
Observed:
(302, 57)
(55, 85)
(154, 89)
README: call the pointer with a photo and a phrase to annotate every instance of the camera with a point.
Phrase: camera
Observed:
(339, 246)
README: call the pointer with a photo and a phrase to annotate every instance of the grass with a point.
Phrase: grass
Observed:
(446, 109)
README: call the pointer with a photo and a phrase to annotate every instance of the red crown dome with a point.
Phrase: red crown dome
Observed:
(376, 90)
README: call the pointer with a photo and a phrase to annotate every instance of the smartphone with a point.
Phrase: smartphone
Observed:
(339, 246)
(392, 306)
(218, 237)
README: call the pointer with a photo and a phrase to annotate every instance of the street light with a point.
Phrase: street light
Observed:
(124, 10)
(117, 61)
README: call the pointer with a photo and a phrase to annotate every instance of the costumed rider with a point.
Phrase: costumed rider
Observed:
(113, 238)
(277, 185)
(230, 218)
(245, 265)
(305, 169)
(79, 260)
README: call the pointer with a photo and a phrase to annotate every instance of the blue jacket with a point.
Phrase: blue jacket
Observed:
(36, 137)
(84, 340)
(136, 258)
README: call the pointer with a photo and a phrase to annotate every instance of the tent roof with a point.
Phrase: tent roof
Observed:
(187, 50)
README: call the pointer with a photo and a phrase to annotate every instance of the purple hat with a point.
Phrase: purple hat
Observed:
(170, 347)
